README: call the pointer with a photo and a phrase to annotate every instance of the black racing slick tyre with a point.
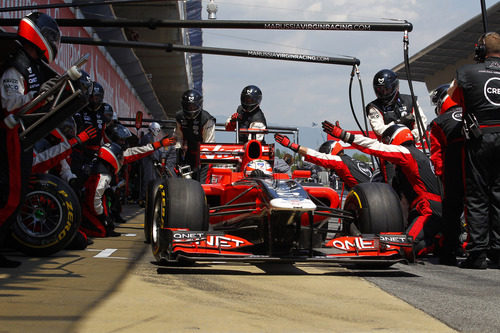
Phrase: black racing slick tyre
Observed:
(376, 208)
(150, 206)
(179, 203)
(49, 217)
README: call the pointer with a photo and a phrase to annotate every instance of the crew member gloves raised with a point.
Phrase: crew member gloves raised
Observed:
(164, 142)
(337, 132)
(285, 141)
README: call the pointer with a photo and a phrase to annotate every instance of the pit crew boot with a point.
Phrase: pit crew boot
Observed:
(494, 257)
(476, 260)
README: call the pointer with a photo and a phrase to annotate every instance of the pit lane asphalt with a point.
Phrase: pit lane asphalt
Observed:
(101, 290)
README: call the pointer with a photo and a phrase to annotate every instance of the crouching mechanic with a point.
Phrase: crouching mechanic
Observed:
(111, 157)
(414, 179)
(332, 157)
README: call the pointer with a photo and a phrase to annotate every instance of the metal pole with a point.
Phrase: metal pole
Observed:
(484, 13)
(228, 24)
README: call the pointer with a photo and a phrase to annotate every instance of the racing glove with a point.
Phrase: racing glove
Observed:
(88, 133)
(235, 117)
(47, 85)
(406, 120)
(285, 141)
(337, 132)
(166, 141)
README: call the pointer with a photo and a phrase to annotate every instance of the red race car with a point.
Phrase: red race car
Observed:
(241, 215)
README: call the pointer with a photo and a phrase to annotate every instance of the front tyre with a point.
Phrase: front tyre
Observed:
(179, 203)
(49, 217)
(376, 207)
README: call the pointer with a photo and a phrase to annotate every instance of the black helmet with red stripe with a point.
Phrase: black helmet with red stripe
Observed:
(112, 153)
(43, 32)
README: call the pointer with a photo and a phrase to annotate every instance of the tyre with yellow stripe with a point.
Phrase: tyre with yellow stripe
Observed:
(376, 207)
(49, 217)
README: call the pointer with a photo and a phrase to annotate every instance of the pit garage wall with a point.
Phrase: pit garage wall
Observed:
(101, 67)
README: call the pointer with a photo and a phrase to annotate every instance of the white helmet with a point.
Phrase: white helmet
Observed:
(260, 165)
(154, 128)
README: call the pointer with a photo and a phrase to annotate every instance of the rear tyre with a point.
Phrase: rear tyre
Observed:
(49, 217)
(376, 207)
(180, 203)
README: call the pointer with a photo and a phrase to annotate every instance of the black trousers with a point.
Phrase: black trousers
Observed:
(482, 192)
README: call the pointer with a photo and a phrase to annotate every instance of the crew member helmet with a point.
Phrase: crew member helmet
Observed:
(258, 168)
(154, 128)
(43, 32)
(96, 95)
(251, 96)
(438, 97)
(112, 153)
(119, 134)
(68, 128)
(192, 102)
(386, 85)
(86, 83)
(331, 147)
(108, 113)
(397, 134)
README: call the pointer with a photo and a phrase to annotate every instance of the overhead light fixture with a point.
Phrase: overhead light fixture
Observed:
(212, 10)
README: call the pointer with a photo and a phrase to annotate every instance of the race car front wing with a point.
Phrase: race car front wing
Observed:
(383, 249)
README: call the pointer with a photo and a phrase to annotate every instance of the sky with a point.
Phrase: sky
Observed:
(299, 94)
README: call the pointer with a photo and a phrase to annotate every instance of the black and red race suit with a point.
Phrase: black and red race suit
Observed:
(95, 213)
(83, 154)
(447, 156)
(253, 119)
(190, 133)
(19, 84)
(350, 171)
(477, 89)
(415, 179)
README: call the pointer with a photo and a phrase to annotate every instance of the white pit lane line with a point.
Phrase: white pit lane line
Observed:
(106, 253)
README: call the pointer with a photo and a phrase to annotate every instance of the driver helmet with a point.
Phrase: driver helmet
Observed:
(330, 147)
(96, 96)
(258, 168)
(154, 128)
(251, 96)
(112, 153)
(43, 32)
(192, 102)
(119, 134)
(397, 134)
(386, 85)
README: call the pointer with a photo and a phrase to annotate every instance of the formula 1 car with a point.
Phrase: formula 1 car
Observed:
(236, 217)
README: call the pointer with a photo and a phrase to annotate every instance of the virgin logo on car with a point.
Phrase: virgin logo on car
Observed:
(492, 91)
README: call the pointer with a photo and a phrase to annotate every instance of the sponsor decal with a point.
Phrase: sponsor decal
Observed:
(394, 239)
(201, 239)
(492, 91)
(352, 243)
(457, 116)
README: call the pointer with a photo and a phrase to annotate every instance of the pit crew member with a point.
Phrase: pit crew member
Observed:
(446, 156)
(476, 88)
(331, 156)
(248, 114)
(25, 75)
(414, 178)
(193, 127)
(96, 219)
